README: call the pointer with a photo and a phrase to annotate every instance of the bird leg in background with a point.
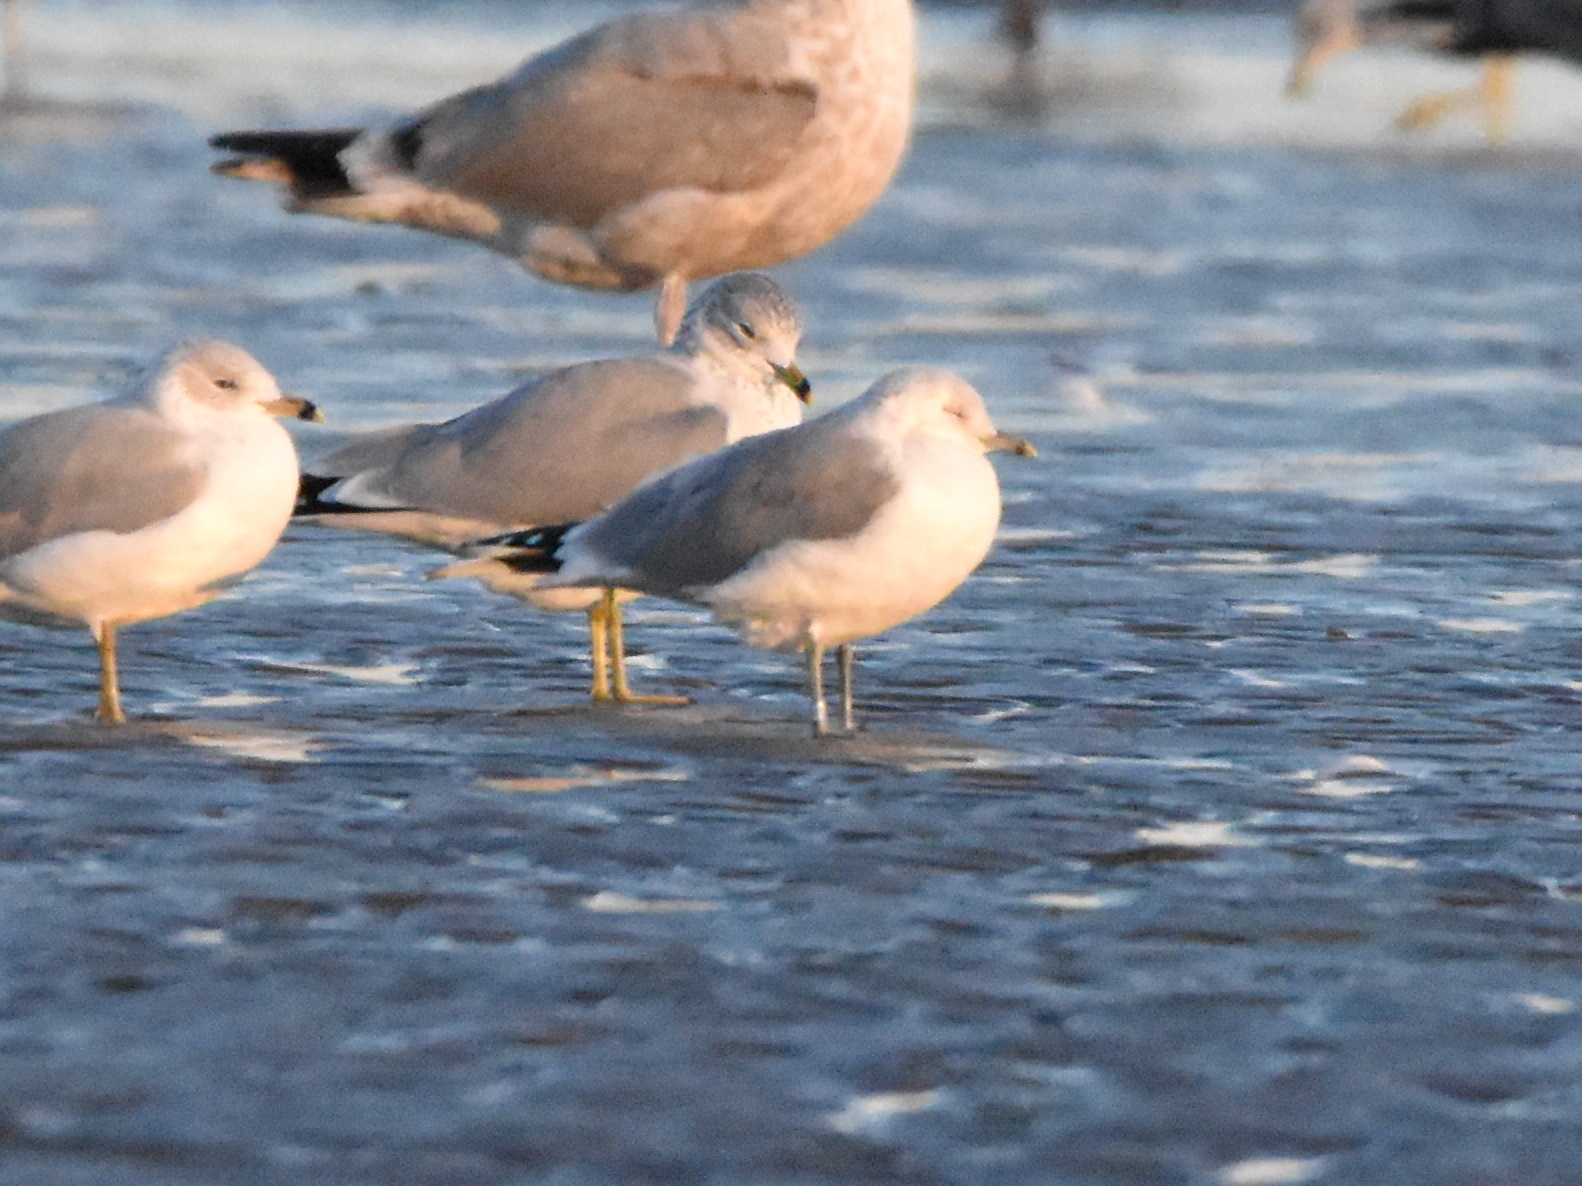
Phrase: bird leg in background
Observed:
(847, 709)
(617, 638)
(599, 647)
(670, 307)
(109, 680)
(15, 63)
(815, 689)
(1495, 94)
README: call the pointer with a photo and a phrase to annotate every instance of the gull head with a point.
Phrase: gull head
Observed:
(938, 403)
(747, 320)
(209, 375)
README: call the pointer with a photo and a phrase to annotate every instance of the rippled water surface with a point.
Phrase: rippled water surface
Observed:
(1222, 829)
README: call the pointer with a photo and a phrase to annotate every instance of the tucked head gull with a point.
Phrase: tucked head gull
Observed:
(146, 504)
(572, 443)
(813, 536)
(656, 149)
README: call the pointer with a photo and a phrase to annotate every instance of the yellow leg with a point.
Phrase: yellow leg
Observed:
(815, 689)
(15, 60)
(109, 680)
(848, 711)
(1499, 95)
(1494, 94)
(1430, 109)
(623, 691)
(599, 647)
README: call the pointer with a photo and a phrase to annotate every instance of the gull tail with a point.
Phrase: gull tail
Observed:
(308, 162)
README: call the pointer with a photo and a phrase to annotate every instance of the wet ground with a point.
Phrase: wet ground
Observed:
(1224, 828)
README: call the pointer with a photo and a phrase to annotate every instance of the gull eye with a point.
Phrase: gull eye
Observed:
(746, 331)
(226, 384)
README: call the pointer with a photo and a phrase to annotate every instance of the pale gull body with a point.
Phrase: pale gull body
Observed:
(568, 445)
(813, 536)
(146, 504)
(656, 149)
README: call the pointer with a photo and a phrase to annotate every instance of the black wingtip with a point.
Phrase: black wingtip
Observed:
(306, 161)
(539, 539)
(311, 489)
(534, 549)
(275, 140)
(310, 492)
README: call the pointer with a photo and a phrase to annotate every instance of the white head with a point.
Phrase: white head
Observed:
(936, 403)
(208, 375)
(747, 321)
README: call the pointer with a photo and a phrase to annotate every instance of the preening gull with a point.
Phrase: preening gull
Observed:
(810, 537)
(1496, 30)
(146, 504)
(658, 148)
(570, 444)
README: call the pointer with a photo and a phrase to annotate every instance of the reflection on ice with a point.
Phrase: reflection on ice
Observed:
(610, 902)
(1272, 1171)
(582, 777)
(1543, 1004)
(224, 700)
(1197, 834)
(1369, 860)
(1526, 597)
(393, 674)
(200, 937)
(1350, 777)
(1061, 902)
(1481, 625)
(272, 745)
(1348, 566)
(867, 1114)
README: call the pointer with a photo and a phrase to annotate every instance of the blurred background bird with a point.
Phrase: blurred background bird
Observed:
(1493, 30)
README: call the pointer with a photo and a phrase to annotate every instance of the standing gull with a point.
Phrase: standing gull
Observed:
(659, 148)
(570, 444)
(146, 504)
(1495, 30)
(810, 537)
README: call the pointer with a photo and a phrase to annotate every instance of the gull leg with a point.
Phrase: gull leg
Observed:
(670, 307)
(847, 709)
(815, 689)
(599, 648)
(623, 691)
(1494, 93)
(1499, 95)
(109, 681)
(1429, 110)
(15, 65)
